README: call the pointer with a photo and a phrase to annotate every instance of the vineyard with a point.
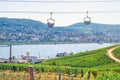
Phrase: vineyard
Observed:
(117, 52)
(14, 72)
(89, 65)
(84, 59)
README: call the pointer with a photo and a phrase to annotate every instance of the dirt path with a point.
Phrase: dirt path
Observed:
(110, 54)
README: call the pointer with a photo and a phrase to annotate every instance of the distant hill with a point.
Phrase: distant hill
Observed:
(95, 27)
(26, 31)
(20, 22)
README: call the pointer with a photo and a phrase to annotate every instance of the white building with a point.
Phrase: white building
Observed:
(28, 58)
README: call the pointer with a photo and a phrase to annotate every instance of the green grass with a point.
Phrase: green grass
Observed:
(117, 52)
(108, 76)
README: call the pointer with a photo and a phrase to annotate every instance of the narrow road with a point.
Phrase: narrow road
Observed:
(110, 54)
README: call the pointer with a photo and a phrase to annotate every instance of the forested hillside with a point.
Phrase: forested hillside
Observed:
(26, 31)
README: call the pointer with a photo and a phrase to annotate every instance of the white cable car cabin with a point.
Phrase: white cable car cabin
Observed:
(87, 20)
(50, 22)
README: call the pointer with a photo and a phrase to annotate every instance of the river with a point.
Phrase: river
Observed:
(49, 50)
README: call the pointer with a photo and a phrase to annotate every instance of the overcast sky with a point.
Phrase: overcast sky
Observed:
(64, 19)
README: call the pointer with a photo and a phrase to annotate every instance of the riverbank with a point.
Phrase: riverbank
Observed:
(51, 43)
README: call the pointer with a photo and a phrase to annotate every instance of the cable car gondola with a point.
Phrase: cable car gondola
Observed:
(51, 22)
(87, 20)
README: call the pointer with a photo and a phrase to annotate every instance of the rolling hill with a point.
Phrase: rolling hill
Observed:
(26, 31)
(86, 59)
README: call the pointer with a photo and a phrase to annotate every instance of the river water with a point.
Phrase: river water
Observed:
(49, 50)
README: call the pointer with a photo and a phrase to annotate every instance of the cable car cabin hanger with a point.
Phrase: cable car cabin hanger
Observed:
(50, 22)
(87, 20)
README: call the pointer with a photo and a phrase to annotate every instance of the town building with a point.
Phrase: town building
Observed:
(28, 59)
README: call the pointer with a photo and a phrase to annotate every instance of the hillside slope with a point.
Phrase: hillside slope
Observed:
(26, 31)
(92, 58)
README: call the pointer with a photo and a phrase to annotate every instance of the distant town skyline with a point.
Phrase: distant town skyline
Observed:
(64, 19)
